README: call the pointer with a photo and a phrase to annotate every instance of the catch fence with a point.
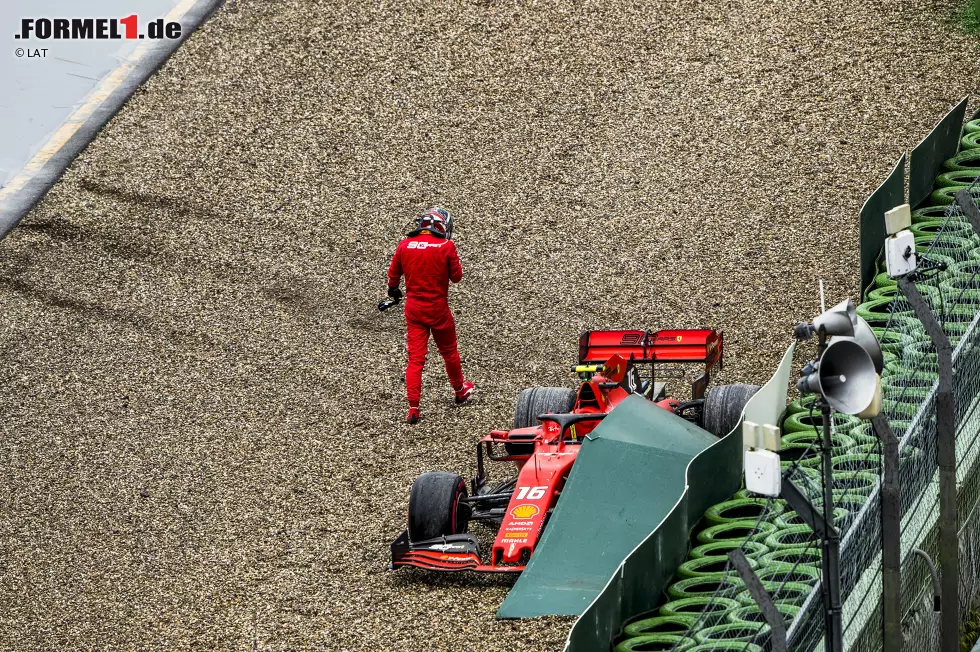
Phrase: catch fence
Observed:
(707, 607)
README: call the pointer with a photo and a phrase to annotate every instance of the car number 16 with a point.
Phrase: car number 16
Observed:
(531, 493)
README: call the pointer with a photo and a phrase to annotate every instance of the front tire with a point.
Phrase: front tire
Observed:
(435, 507)
(723, 407)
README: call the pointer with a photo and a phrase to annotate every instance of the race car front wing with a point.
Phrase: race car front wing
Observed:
(455, 552)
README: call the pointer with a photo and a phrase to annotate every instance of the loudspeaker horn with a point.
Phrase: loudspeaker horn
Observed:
(845, 376)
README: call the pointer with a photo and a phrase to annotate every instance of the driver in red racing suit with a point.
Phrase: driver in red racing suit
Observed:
(428, 260)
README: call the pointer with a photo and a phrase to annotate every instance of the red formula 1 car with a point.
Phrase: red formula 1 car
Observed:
(440, 506)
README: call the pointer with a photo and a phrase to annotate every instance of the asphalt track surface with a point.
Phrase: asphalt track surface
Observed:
(201, 437)
(40, 94)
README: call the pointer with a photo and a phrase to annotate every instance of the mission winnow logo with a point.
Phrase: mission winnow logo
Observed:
(81, 29)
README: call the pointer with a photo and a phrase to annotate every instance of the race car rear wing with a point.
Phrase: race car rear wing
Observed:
(678, 345)
(681, 345)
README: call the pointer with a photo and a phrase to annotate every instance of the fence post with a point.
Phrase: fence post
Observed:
(946, 441)
(762, 598)
(830, 558)
(891, 537)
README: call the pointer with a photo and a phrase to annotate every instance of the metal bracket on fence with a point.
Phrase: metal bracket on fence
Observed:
(762, 598)
(946, 442)
(969, 208)
(937, 600)
(891, 537)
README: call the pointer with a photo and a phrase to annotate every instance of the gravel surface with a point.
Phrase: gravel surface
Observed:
(201, 408)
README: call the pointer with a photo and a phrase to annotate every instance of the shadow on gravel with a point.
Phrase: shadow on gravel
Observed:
(418, 578)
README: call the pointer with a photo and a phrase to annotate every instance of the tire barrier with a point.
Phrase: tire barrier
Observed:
(807, 555)
(960, 287)
(890, 341)
(676, 625)
(970, 141)
(725, 646)
(962, 178)
(706, 608)
(737, 531)
(916, 385)
(802, 405)
(742, 510)
(703, 587)
(928, 213)
(791, 593)
(965, 160)
(799, 453)
(752, 613)
(858, 482)
(933, 228)
(840, 442)
(870, 462)
(751, 549)
(656, 643)
(899, 410)
(781, 548)
(707, 567)
(863, 434)
(791, 519)
(732, 632)
(946, 195)
(789, 573)
(949, 249)
(803, 422)
(790, 537)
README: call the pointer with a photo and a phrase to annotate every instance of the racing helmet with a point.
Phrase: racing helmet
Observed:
(437, 220)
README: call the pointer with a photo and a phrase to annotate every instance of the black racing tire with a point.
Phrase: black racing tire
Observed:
(723, 407)
(435, 508)
(540, 400)
(534, 401)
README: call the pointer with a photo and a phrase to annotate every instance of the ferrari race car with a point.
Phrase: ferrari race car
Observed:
(549, 426)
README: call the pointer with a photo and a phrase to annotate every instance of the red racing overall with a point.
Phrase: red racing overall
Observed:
(428, 263)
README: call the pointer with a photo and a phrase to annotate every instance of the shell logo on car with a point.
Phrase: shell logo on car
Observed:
(524, 511)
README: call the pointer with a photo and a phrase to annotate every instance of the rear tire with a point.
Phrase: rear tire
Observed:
(435, 507)
(538, 400)
(723, 407)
